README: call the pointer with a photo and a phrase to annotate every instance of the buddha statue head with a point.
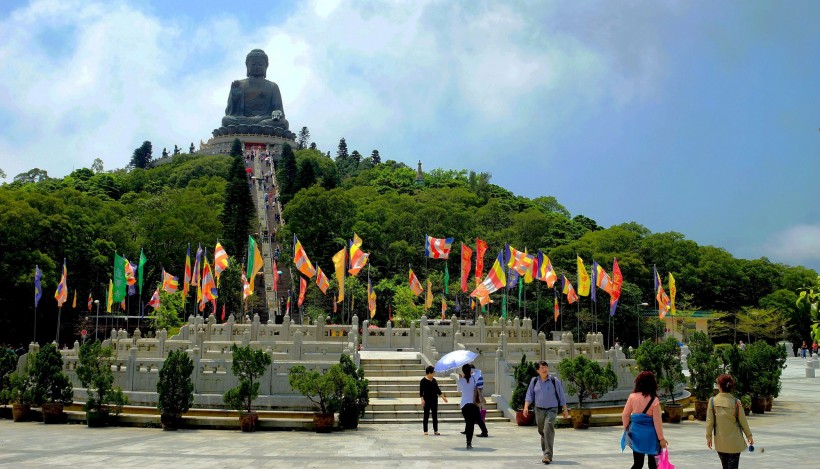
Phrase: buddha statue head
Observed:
(256, 63)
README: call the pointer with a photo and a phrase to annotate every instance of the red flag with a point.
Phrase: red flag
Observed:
(90, 301)
(275, 277)
(480, 249)
(617, 281)
(389, 312)
(223, 312)
(557, 307)
(466, 255)
(302, 290)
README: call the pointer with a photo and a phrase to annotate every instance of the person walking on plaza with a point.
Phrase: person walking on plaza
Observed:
(814, 347)
(479, 383)
(642, 421)
(429, 393)
(546, 394)
(470, 411)
(727, 422)
(803, 349)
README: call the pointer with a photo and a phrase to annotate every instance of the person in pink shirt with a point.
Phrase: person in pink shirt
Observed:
(641, 418)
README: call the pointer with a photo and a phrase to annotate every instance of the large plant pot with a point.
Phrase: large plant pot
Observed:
(20, 412)
(580, 418)
(524, 421)
(5, 412)
(349, 418)
(96, 418)
(323, 423)
(769, 403)
(170, 422)
(675, 412)
(700, 410)
(248, 421)
(53, 413)
(758, 405)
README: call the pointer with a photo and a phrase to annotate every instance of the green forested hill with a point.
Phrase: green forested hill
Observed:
(87, 216)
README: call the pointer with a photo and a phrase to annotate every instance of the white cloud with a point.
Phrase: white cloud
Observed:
(796, 244)
(387, 75)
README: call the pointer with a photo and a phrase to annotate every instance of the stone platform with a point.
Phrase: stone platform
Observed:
(221, 145)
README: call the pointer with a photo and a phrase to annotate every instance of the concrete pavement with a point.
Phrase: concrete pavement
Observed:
(785, 437)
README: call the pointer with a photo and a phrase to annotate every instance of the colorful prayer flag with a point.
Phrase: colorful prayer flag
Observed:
(557, 306)
(220, 260)
(109, 301)
(302, 290)
(321, 280)
(428, 302)
(120, 283)
(301, 260)
(371, 299)
(617, 281)
(90, 302)
(254, 261)
(516, 260)
(672, 292)
(61, 295)
(545, 271)
(358, 258)
(339, 265)
(209, 291)
(437, 248)
(74, 303)
(572, 297)
(480, 249)
(141, 269)
(195, 280)
(443, 307)
(38, 287)
(466, 255)
(186, 285)
(154, 303)
(246, 287)
(602, 279)
(663, 302)
(415, 285)
(584, 282)
(170, 284)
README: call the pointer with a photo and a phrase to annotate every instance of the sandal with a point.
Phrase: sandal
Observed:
(425, 433)
(437, 434)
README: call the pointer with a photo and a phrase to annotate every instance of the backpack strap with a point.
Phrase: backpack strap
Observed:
(555, 389)
(648, 405)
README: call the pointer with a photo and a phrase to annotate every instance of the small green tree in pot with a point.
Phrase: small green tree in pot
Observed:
(51, 388)
(8, 364)
(19, 394)
(248, 365)
(663, 359)
(94, 372)
(523, 373)
(175, 389)
(703, 371)
(587, 379)
(324, 390)
(355, 397)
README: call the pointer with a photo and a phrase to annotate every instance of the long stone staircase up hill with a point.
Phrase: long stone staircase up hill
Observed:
(394, 391)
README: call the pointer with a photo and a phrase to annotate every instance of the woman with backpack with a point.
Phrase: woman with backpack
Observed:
(643, 430)
(727, 422)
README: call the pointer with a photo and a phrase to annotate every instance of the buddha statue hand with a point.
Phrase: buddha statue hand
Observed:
(277, 115)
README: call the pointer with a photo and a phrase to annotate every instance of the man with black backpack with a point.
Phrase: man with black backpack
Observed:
(546, 393)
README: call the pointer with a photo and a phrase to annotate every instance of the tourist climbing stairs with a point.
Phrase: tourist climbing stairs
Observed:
(394, 390)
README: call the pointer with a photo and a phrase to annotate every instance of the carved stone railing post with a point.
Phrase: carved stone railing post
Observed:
(320, 327)
(413, 336)
(132, 359)
(365, 333)
(197, 372)
(255, 328)
(389, 333)
(296, 351)
(286, 328)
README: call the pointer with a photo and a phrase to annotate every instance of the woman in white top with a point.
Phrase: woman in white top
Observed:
(470, 411)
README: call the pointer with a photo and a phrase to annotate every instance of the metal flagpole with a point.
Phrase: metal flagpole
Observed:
(59, 313)
(34, 339)
(578, 317)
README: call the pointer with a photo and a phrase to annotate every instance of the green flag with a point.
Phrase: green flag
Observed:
(251, 248)
(520, 287)
(504, 306)
(143, 260)
(446, 279)
(120, 287)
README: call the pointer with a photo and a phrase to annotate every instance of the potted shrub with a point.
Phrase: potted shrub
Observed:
(663, 360)
(247, 365)
(8, 364)
(51, 389)
(175, 389)
(20, 396)
(588, 380)
(94, 372)
(523, 373)
(703, 371)
(355, 397)
(746, 402)
(324, 390)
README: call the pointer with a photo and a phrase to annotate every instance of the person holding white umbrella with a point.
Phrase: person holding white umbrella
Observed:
(470, 411)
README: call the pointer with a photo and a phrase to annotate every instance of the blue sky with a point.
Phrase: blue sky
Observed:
(696, 117)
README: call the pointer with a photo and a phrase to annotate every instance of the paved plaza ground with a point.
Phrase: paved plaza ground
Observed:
(786, 437)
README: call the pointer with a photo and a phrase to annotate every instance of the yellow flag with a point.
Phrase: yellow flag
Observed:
(584, 282)
(110, 300)
(74, 304)
(672, 292)
(339, 264)
(428, 302)
(528, 273)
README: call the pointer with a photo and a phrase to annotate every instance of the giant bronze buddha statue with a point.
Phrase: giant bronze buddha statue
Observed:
(254, 104)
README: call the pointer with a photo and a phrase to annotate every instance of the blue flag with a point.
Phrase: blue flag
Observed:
(38, 289)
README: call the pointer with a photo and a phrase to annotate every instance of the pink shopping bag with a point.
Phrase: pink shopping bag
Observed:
(663, 460)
